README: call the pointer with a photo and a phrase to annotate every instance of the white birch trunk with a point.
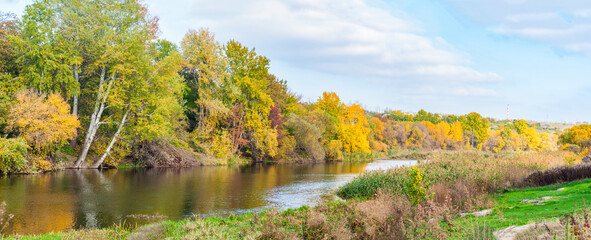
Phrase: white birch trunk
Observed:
(95, 118)
(108, 151)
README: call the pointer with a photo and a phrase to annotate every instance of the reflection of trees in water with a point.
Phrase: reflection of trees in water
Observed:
(31, 198)
(92, 198)
(93, 190)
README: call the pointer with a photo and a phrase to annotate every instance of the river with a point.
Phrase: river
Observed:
(74, 199)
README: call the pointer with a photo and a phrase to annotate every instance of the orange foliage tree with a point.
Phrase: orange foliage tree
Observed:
(43, 121)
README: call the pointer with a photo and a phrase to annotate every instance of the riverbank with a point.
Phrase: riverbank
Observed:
(381, 205)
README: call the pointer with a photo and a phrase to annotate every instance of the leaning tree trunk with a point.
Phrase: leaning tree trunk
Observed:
(108, 151)
(95, 118)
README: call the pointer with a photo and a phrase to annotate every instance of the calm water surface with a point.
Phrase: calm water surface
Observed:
(92, 199)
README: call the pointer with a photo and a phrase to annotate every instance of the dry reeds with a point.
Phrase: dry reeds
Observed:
(4, 218)
(558, 175)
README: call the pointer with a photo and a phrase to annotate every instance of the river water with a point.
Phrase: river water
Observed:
(70, 199)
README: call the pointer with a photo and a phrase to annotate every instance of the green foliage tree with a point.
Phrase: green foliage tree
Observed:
(82, 48)
(476, 128)
(307, 136)
(249, 72)
(13, 155)
(10, 83)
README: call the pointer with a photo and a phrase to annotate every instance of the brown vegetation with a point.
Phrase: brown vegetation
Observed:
(558, 175)
(4, 218)
(162, 154)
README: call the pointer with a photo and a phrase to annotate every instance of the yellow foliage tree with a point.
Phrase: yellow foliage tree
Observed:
(578, 135)
(331, 104)
(548, 141)
(378, 128)
(43, 121)
(532, 139)
(439, 132)
(456, 132)
(416, 138)
(353, 130)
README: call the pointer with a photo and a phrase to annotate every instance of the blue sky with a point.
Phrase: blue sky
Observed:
(445, 56)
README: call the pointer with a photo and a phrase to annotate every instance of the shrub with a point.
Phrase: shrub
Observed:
(13, 154)
(558, 175)
(367, 184)
(44, 121)
(161, 153)
(41, 164)
(570, 158)
(415, 187)
(307, 136)
(333, 150)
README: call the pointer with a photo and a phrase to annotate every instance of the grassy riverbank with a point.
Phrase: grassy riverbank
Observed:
(382, 205)
(510, 208)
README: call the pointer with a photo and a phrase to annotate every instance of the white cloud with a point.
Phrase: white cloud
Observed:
(528, 17)
(562, 24)
(474, 92)
(348, 37)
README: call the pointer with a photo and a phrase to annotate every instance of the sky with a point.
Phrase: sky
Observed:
(444, 56)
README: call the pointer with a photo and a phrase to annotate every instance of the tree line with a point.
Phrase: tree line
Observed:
(86, 83)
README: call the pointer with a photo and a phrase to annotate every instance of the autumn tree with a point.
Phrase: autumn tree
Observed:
(415, 138)
(210, 94)
(476, 128)
(87, 48)
(307, 136)
(330, 104)
(248, 72)
(456, 134)
(149, 99)
(10, 83)
(353, 129)
(43, 120)
(578, 135)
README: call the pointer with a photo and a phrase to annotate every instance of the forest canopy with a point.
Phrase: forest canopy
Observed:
(90, 84)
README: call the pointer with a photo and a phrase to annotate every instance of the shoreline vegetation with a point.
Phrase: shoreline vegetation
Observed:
(421, 202)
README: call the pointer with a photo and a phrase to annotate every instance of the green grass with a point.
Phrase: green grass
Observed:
(508, 210)
(366, 185)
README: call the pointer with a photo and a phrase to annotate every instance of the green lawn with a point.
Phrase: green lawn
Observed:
(509, 211)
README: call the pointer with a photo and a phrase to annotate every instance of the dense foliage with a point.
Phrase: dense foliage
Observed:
(96, 73)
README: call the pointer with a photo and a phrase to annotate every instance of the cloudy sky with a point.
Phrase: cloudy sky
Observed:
(445, 56)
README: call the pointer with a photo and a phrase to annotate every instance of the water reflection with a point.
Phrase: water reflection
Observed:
(90, 198)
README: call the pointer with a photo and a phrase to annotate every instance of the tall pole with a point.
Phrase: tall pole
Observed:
(507, 112)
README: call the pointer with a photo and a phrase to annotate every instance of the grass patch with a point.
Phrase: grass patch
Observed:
(508, 209)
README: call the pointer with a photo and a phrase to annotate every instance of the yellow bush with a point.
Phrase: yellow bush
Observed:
(42, 120)
(334, 150)
(286, 149)
(221, 146)
(378, 146)
(41, 164)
